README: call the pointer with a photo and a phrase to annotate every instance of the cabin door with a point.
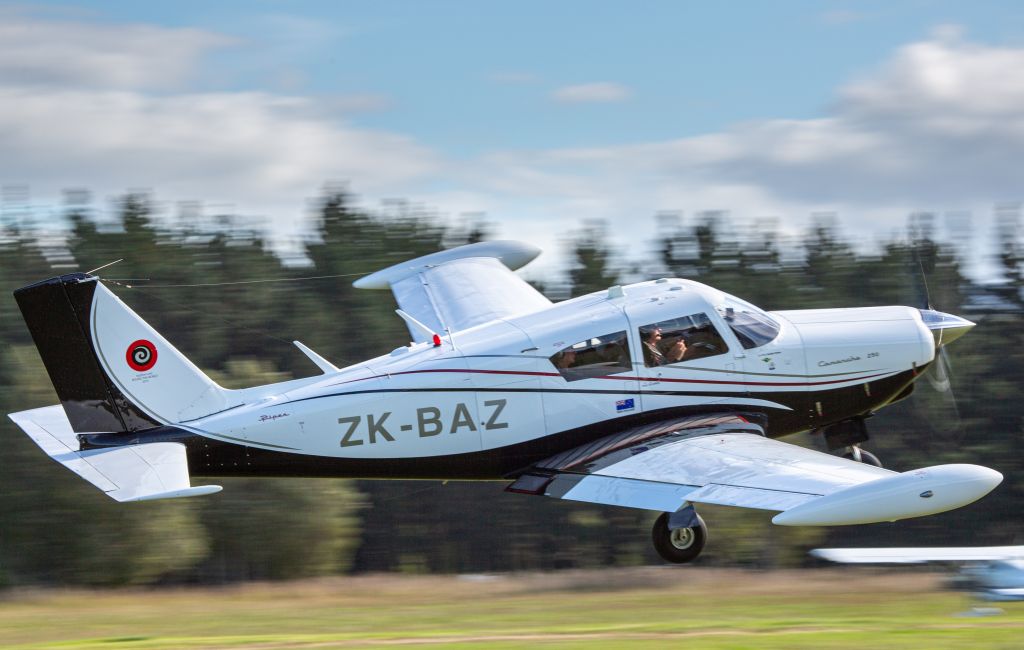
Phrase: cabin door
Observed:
(682, 360)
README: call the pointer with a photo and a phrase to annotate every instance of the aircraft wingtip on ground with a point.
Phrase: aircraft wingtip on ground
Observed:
(994, 573)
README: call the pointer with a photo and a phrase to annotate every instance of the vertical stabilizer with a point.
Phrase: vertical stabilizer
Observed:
(111, 370)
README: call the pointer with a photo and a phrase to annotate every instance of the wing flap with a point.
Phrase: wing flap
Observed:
(131, 473)
(612, 491)
(746, 497)
(666, 497)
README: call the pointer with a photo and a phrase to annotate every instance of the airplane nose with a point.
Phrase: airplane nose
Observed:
(945, 328)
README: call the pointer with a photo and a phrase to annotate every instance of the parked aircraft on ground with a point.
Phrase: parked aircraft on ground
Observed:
(657, 395)
(991, 572)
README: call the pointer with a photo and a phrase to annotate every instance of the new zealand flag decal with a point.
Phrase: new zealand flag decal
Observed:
(624, 405)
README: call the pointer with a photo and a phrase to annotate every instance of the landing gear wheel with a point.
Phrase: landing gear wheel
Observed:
(862, 456)
(680, 545)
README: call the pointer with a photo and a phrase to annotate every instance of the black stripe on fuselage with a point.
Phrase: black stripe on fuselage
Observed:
(211, 457)
(645, 367)
(765, 395)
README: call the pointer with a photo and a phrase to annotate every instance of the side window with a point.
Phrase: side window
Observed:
(594, 357)
(680, 339)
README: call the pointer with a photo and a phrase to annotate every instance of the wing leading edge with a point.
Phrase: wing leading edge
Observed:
(724, 460)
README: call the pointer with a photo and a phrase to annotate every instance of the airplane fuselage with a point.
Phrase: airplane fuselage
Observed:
(492, 400)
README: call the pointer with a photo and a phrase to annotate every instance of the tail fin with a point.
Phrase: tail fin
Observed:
(111, 370)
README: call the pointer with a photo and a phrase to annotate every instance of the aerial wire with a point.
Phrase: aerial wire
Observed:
(224, 284)
(123, 283)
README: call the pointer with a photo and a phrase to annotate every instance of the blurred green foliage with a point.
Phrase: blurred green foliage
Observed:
(57, 529)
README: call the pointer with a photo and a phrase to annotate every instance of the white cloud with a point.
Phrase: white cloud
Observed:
(599, 92)
(76, 110)
(939, 125)
(46, 53)
(263, 154)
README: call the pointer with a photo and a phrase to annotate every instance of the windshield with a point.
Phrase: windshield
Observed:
(751, 326)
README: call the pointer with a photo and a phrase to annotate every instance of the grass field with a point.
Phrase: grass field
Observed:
(647, 608)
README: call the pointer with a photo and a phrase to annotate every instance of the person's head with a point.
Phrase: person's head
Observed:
(653, 335)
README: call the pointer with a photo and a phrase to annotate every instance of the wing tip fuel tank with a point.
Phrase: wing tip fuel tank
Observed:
(916, 493)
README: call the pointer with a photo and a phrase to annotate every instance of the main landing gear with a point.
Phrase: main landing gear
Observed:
(679, 536)
(847, 435)
(856, 454)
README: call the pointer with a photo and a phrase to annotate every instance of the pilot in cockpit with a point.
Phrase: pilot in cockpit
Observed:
(653, 356)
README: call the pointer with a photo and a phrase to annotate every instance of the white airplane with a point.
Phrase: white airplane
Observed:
(657, 395)
(991, 572)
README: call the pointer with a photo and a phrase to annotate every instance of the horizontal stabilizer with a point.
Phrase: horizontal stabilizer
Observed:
(132, 473)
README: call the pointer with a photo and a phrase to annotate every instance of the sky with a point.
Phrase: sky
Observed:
(539, 116)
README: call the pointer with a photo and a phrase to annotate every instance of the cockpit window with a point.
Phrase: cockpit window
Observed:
(751, 326)
(594, 357)
(681, 339)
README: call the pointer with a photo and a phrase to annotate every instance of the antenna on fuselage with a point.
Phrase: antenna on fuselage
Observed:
(98, 268)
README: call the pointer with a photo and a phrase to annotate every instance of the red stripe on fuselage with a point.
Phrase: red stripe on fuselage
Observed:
(527, 373)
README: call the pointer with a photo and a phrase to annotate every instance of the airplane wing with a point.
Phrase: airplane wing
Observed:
(456, 289)
(156, 470)
(726, 460)
(918, 555)
(1003, 594)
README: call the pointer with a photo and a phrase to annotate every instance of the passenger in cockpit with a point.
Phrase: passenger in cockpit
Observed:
(653, 356)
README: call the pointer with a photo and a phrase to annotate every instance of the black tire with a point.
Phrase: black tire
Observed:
(866, 457)
(681, 545)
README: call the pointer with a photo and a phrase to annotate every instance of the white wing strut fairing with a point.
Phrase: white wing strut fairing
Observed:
(134, 473)
(919, 555)
(456, 289)
(724, 461)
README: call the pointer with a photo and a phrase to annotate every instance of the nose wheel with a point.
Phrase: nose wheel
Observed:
(858, 455)
(682, 544)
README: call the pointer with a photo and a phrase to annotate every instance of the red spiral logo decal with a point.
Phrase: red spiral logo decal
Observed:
(141, 355)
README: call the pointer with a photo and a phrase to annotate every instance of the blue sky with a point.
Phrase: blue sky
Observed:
(526, 111)
(469, 76)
